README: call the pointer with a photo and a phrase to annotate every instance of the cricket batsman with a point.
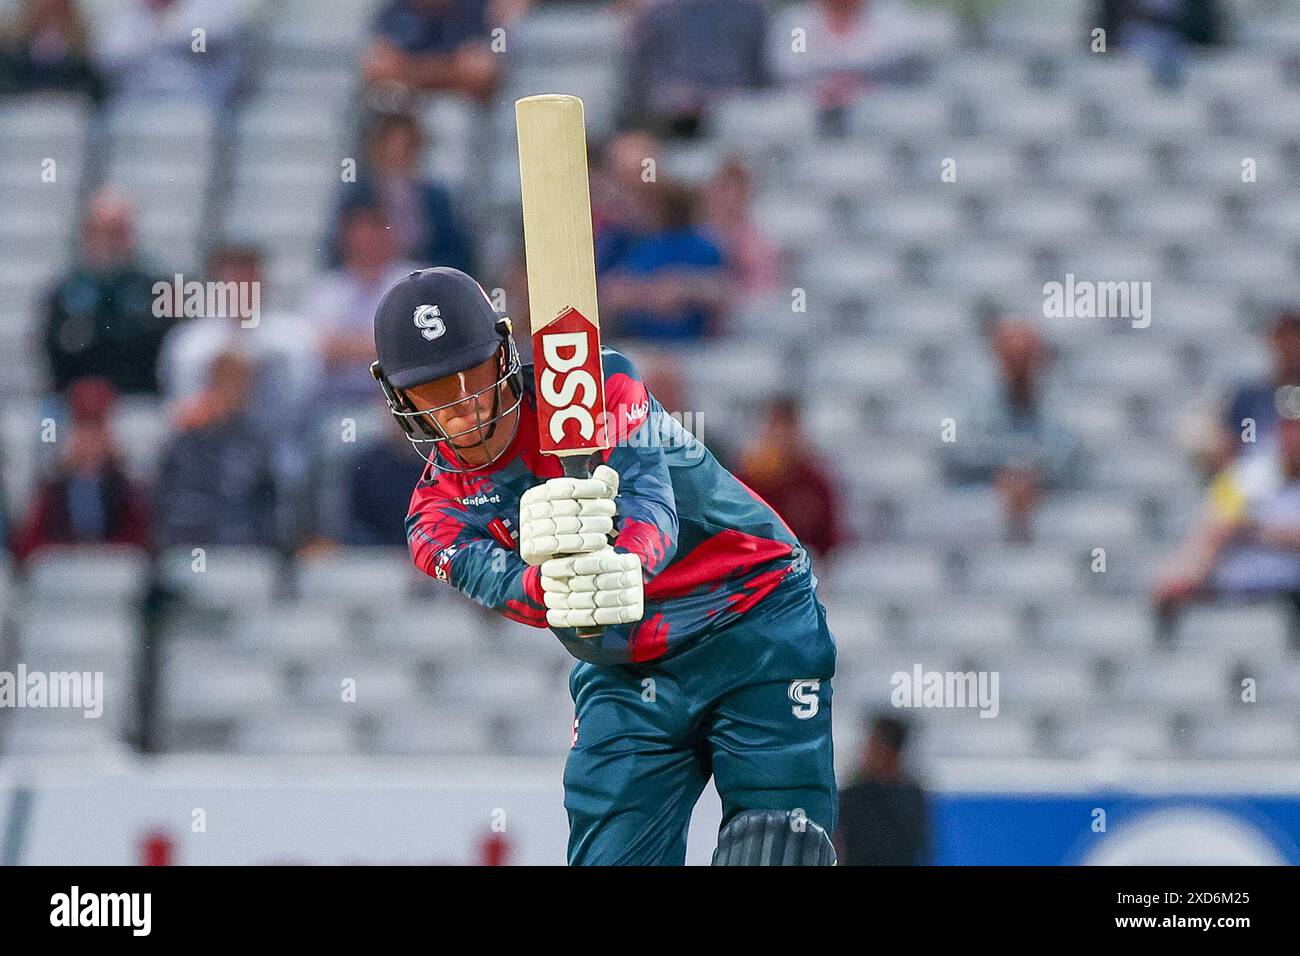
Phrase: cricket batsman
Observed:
(702, 648)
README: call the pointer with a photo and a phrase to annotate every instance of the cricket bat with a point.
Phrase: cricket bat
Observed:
(561, 265)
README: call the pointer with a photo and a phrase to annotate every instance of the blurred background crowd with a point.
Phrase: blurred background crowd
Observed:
(823, 229)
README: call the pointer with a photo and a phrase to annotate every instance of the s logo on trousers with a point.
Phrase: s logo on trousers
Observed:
(804, 695)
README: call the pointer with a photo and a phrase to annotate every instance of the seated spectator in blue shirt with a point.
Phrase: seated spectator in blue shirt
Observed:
(433, 45)
(623, 183)
(45, 47)
(1251, 418)
(669, 285)
(426, 226)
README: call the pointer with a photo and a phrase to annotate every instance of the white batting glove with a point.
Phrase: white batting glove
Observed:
(567, 516)
(593, 590)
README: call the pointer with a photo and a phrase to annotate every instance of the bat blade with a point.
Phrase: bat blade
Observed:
(561, 263)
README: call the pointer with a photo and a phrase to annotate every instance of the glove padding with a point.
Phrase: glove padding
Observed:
(593, 590)
(567, 516)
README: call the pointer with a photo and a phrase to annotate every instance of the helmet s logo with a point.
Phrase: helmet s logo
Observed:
(429, 321)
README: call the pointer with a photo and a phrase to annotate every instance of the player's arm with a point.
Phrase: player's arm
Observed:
(646, 522)
(497, 578)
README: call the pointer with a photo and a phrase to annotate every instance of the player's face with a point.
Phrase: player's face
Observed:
(463, 405)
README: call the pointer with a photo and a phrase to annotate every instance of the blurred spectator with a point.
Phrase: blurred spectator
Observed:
(100, 318)
(685, 54)
(1248, 543)
(669, 285)
(45, 47)
(89, 498)
(433, 45)
(623, 180)
(752, 259)
(216, 482)
(782, 467)
(282, 348)
(379, 490)
(884, 817)
(1012, 438)
(1161, 31)
(150, 49)
(341, 303)
(1257, 402)
(846, 48)
(427, 227)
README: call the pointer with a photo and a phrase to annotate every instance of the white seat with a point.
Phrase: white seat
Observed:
(921, 218)
(1051, 116)
(1052, 681)
(1026, 572)
(885, 572)
(1087, 520)
(356, 682)
(222, 578)
(1135, 735)
(107, 631)
(314, 732)
(1248, 734)
(1259, 626)
(1098, 625)
(47, 732)
(432, 730)
(964, 733)
(356, 576)
(837, 170)
(1044, 217)
(890, 113)
(758, 122)
(300, 631)
(204, 680)
(967, 625)
(102, 575)
(1158, 682)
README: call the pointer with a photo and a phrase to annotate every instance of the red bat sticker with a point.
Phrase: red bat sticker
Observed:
(570, 385)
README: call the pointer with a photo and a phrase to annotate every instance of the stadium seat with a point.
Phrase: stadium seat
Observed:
(1098, 734)
(221, 578)
(361, 577)
(1261, 626)
(1025, 572)
(432, 730)
(106, 576)
(206, 680)
(1247, 734)
(316, 732)
(881, 573)
(965, 625)
(1098, 625)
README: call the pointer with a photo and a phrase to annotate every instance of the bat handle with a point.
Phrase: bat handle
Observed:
(578, 466)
